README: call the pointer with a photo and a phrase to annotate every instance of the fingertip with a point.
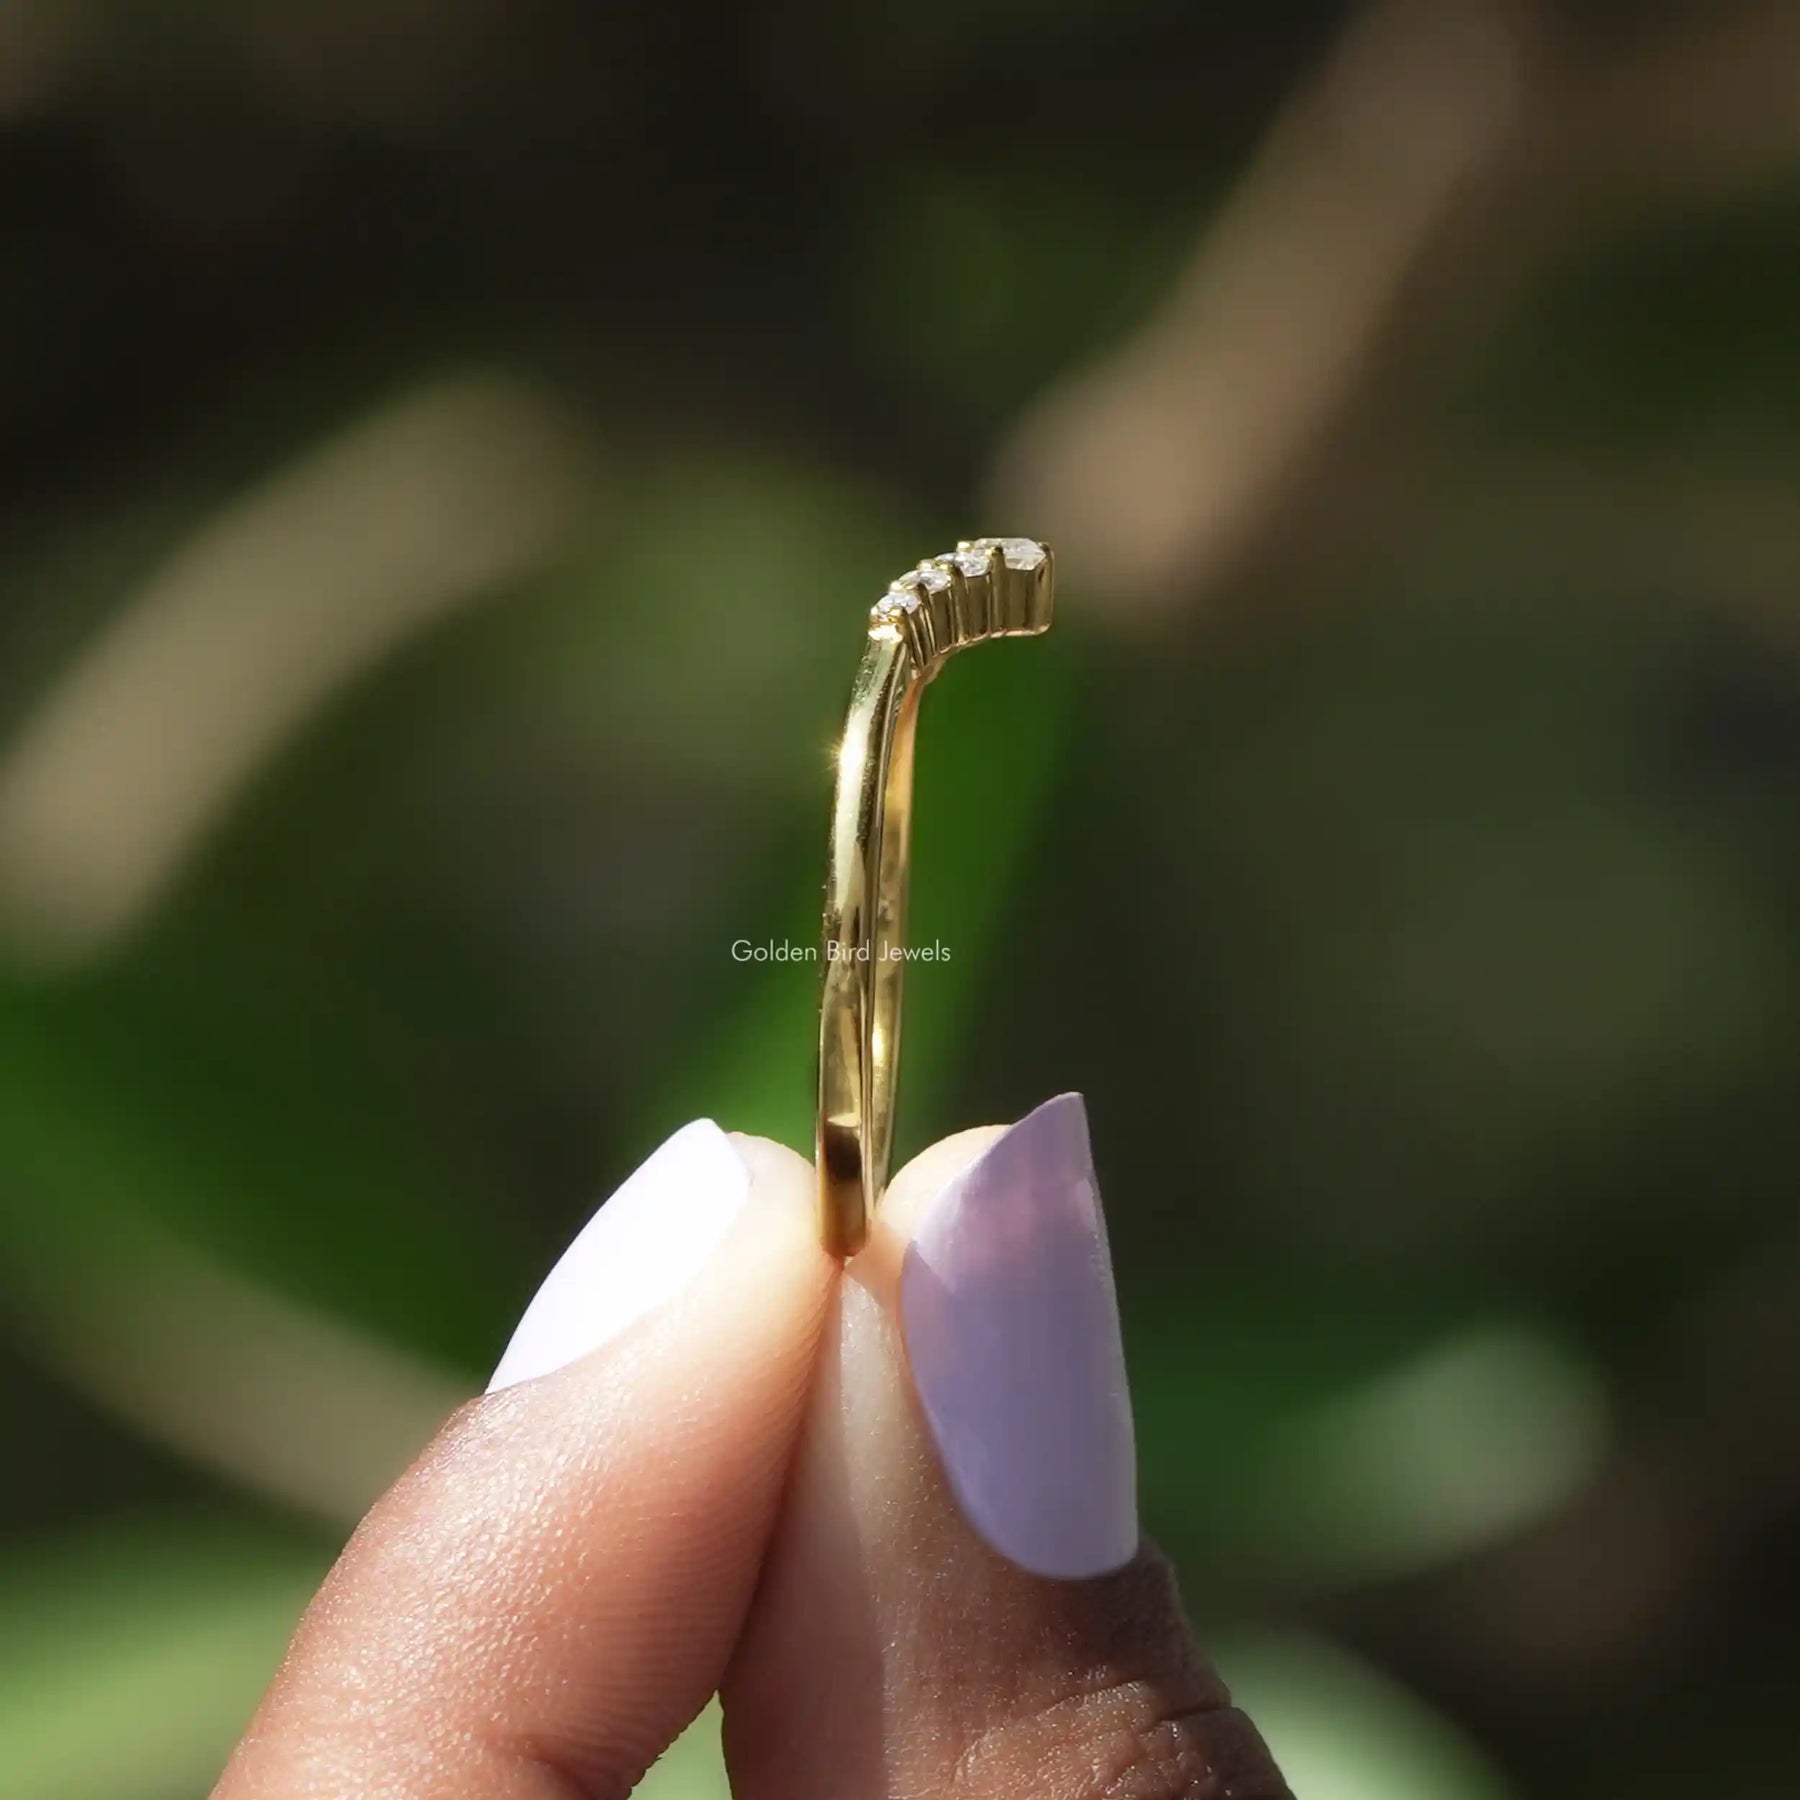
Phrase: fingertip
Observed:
(912, 1194)
(910, 1197)
(781, 1177)
(637, 1251)
(928, 1172)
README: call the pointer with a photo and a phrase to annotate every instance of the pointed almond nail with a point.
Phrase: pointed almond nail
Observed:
(638, 1251)
(1012, 1331)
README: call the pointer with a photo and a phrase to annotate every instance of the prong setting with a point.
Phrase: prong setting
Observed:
(985, 587)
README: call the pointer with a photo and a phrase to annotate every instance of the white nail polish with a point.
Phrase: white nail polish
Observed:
(639, 1250)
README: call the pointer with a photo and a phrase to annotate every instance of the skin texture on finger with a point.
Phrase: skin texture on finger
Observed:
(554, 1589)
(893, 1653)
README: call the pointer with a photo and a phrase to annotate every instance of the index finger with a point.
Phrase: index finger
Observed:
(552, 1592)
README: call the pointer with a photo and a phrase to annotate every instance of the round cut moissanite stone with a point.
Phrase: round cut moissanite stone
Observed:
(892, 607)
(1018, 553)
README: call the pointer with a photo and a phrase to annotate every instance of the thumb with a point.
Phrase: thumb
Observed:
(956, 1601)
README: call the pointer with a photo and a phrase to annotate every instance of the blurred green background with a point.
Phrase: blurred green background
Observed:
(446, 453)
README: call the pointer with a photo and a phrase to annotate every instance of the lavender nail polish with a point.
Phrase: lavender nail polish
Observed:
(1012, 1330)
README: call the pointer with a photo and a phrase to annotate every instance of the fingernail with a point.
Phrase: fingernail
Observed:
(639, 1250)
(1012, 1330)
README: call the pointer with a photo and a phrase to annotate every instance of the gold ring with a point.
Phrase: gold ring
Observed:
(988, 588)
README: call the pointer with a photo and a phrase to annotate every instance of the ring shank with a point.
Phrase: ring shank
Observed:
(991, 588)
(890, 936)
(865, 919)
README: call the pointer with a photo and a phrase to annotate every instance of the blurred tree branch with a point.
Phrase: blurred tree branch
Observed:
(1440, 155)
(277, 1397)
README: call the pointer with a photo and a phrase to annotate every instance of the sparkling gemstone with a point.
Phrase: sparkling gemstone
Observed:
(1020, 553)
(901, 600)
(931, 578)
(971, 562)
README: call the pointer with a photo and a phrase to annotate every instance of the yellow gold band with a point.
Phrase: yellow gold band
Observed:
(991, 587)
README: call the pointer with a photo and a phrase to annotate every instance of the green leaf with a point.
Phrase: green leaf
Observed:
(131, 1659)
(1341, 1731)
(1288, 1445)
(692, 1768)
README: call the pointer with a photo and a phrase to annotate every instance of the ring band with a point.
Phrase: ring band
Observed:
(987, 588)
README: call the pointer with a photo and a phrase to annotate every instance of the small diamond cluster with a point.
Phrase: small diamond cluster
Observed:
(933, 575)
